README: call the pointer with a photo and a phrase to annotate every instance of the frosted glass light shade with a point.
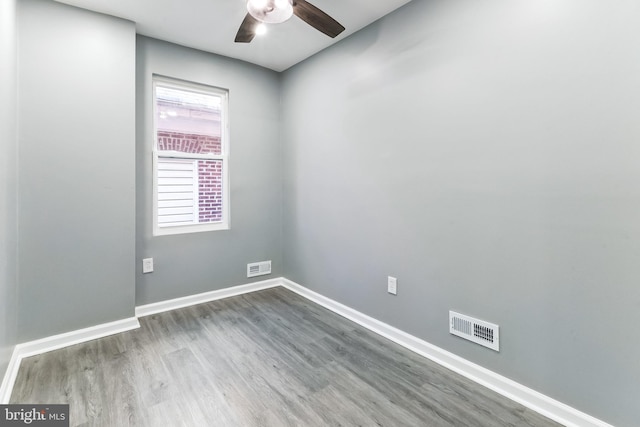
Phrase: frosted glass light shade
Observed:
(270, 11)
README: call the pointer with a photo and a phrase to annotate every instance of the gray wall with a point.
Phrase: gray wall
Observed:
(76, 168)
(192, 263)
(8, 183)
(486, 154)
(483, 153)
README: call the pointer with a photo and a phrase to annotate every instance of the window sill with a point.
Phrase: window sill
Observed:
(185, 229)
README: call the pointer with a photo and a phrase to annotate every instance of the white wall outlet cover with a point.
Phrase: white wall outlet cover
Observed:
(392, 285)
(147, 265)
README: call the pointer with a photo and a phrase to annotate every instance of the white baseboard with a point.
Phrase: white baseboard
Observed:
(9, 378)
(172, 304)
(33, 348)
(532, 399)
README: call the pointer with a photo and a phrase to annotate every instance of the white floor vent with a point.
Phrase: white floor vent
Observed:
(477, 331)
(258, 268)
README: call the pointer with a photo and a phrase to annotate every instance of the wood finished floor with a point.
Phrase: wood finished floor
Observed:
(270, 358)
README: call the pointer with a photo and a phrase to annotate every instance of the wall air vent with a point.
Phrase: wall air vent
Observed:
(477, 331)
(258, 268)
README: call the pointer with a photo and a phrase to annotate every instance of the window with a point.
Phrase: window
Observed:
(190, 158)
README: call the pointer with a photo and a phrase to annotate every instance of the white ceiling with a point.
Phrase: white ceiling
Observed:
(211, 25)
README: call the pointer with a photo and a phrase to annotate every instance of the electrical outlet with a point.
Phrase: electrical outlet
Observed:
(147, 265)
(392, 285)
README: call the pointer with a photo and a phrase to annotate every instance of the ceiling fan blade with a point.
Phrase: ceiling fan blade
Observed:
(247, 30)
(317, 18)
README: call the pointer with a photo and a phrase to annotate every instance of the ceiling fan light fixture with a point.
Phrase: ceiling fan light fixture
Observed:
(261, 29)
(270, 11)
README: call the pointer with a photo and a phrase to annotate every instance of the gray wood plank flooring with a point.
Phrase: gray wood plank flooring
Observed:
(270, 358)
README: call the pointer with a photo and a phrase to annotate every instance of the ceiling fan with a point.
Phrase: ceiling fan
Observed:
(278, 11)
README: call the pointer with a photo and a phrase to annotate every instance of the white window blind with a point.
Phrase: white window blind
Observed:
(177, 192)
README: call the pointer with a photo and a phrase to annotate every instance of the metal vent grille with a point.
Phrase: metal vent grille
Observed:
(258, 268)
(475, 330)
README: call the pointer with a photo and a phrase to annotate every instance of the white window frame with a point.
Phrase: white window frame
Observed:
(224, 224)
